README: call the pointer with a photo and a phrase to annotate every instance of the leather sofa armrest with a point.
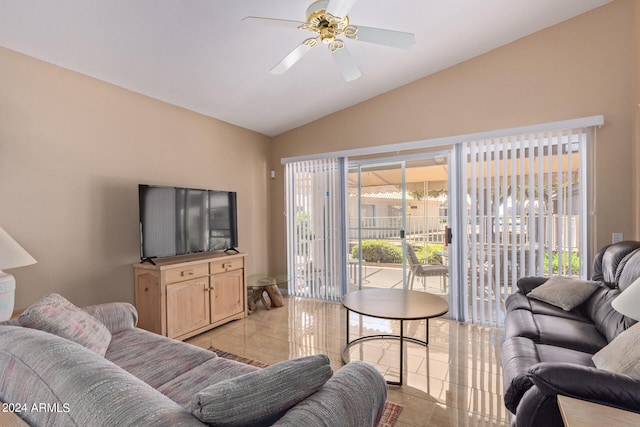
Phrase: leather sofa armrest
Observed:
(527, 284)
(515, 390)
(518, 356)
(116, 316)
(587, 383)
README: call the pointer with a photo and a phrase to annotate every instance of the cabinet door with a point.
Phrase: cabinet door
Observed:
(226, 295)
(187, 306)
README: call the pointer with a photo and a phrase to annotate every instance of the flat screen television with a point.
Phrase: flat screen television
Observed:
(179, 221)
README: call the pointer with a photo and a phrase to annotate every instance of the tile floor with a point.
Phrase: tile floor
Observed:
(456, 381)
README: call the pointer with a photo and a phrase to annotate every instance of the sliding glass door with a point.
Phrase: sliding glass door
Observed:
(515, 201)
(377, 222)
(397, 215)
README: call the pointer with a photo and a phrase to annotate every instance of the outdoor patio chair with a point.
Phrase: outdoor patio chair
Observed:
(417, 269)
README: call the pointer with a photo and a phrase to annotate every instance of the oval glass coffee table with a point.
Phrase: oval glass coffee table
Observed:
(394, 304)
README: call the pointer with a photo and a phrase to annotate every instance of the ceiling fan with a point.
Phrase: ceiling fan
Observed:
(328, 20)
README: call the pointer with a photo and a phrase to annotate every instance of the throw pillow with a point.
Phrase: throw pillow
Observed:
(261, 397)
(564, 292)
(56, 315)
(527, 284)
(622, 354)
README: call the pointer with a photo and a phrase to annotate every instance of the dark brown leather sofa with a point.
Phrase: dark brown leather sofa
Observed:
(547, 351)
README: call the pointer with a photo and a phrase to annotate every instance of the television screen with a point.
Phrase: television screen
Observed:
(179, 221)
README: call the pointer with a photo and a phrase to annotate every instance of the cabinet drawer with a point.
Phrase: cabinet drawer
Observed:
(221, 266)
(180, 274)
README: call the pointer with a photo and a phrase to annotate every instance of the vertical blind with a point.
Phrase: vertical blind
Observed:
(523, 212)
(316, 253)
(518, 207)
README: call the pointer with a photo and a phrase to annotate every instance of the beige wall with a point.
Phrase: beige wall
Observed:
(72, 152)
(73, 149)
(578, 68)
(635, 107)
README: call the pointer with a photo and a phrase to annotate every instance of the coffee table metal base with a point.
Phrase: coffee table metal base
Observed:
(393, 304)
(400, 337)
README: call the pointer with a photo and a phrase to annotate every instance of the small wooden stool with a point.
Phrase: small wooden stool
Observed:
(268, 285)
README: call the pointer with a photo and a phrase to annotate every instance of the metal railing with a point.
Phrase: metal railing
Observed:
(420, 229)
(561, 231)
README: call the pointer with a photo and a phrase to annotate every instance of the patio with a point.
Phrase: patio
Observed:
(377, 276)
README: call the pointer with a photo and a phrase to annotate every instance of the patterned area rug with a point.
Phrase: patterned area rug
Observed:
(389, 414)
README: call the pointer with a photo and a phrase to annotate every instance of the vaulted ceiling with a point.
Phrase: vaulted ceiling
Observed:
(197, 54)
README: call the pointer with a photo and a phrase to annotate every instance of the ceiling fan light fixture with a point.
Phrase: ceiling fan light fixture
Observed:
(328, 20)
(327, 35)
(335, 45)
(312, 42)
(351, 32)
(324, 24)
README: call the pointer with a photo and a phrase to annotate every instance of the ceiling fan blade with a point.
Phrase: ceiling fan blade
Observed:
(293, 56)
(272, 22)
(389, 38)
(346, 64)
(340, 8)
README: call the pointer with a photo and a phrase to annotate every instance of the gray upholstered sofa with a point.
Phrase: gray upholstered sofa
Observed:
(137, 378)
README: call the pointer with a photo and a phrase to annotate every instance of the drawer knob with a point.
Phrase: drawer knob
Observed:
(187, 273)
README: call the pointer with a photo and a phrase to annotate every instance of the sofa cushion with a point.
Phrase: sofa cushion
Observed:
(116, 316)
(153, 358)
(260, 397)
(518, 301)
(622, 355)
(564, 292)
(562, 332)
(630, 271)
(56, 315)
(607, 320)
(609, 266)
(183, 387)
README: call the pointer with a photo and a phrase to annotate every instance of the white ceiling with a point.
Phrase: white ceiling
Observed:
(196, 54)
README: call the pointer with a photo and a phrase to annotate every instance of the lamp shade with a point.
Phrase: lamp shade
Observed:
(628, 302)
(11, 253)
